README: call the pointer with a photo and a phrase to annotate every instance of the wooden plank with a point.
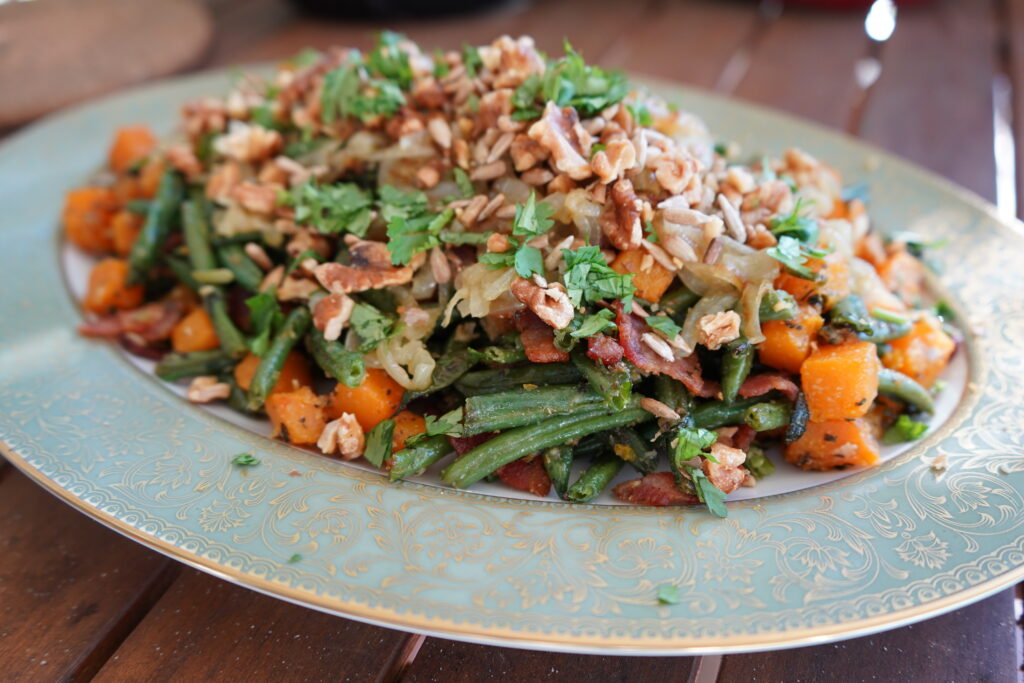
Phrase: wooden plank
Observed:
(205, 629)
(933, 102)
(788, 73)
(976, 643)
(70, 590)
(452, 662)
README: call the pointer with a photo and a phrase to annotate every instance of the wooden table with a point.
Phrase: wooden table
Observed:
(78, 601)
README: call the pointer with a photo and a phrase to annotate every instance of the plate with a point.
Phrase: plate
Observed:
(935, 526)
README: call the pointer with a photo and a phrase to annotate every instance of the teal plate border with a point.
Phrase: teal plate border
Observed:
(871, 551)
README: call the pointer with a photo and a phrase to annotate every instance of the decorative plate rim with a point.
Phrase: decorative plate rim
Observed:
(646, 643)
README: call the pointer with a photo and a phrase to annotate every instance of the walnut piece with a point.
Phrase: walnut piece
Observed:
(371, 269)
(550, 303)
(184, 159)
(248, 142)
(260, 199)
(331, 313)
(343, 436)
(614, 160)
(526, 152)
(716, 329)
(206, 388)
(223, 180)
(559, 131)
(678, 173)
(620, 219)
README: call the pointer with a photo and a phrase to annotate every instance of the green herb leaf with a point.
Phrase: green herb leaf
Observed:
(650, 233)
(707, 493)
(594, 324)
(800, 227)
(668, 594)
(664, 325)
(300, 257)
(505, 259)
(471, 60)
(266, 317)
(464, 183)
(371, 325)
(379, 442)
(570, 82)
(690, 443)
(448, 425)
(793, 256)
(594, 149)
(331, 209)
(588, 278)
(757, 463)
(245, 460)
(904, 429)
(532, 218)
(390, 61)
(529, 260)
(297, 557)
(641, 114)
(346, 94)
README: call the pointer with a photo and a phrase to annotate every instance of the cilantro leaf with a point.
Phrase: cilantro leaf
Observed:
(345, 94)
(588, 278)
(447, 425)
(593, 324)
(650, 233)
(524, 99)
(793, 256)
(471, 60)
(390, 61)
(641, 114)
(532, 218)
(529, 260)
(904, 429)
(664, 325)
(266, 317)
(707, 492)
(800, 227)
(331, 209)
(690, 442)
(572, 82)
(412, 226)
(464, 183)
(505, 259)
(379, 442)
(668, 594)
(295, 558)
(371, 325)
(245, 460)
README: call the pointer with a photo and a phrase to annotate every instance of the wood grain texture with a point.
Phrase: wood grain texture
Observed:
(451, 662)
(976, 643)
(70, 589)
(204, 629)
(933, 101)
(58, 52)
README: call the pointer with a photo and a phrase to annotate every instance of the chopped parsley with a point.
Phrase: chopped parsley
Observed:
(379, 442)
(690, 443)
(306, 57)
(595, 323)
(412, 226)
(664, 325)
(528, 261)
(331, 209)
(441, 68)
(945, 311)
(668, 594)
(297, 557)
(371, 325)
(446, 425)
(471, 60)
(650, 233)
(265, 317)
(800, 227)
(707, 492)
(904, 429)
(532, 219)
(245, 460)
(594, 149)
(300, 257)
(641, 114)
(464, 183)
(793, 255)
(569, 82)
(588, 279)
(390, 61)
(345, 94)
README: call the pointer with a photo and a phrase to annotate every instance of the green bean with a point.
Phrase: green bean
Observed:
(628, 445)
(160, 219)
(196, 230)
(180, 365)
(238, 399)
(776, 304)
(558, 464)
(333, 358)
(590, 447)
(736, 363)
(515, 443)
(269, 369)
(677, 302)
(503, 379)
(379, 442)
(247, 273)
(231, 339)
(798, 420)
(416, 459)
(595, 479)
(764, 417)
(673, 394)
(501, 355)
(851, 313)
(714, 414)
(508, 409)
(237, 238)
(452, 237)
(612, 383)
(182, 270)
(899, 386)
(758, 463)
(453, 364)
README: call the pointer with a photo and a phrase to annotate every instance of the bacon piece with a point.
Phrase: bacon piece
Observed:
(526, 474)
(603, 348)
(538, 339)
(758, 385)
(687, 370)
(146, 324)
(464, 444)
(743, 437)
(654, 489)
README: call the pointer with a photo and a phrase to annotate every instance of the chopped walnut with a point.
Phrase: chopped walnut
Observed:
(331, 313)
(203, 116)
(678, 173)
(260, 199)
(716, 329)
(343, 436)
(371, 268)
(559, 131)
(526, 152)
(428, 94)
(184, 159)
(727, 455)
(612, 162)
(517, 60)
(550, 303)
(248, 142)
(728, 474)
(741, 179)
(206, 388)
(562, 183)
(305, 239)
(223, 180)
(620, 219)
(295, 288)
(427, 177)
(775, 196)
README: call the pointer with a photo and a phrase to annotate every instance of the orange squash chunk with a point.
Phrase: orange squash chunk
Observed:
(194, 332)
(407, 425)
(903, 274)
(788, 342)
(297, 416)
(834, 443)
(131, 144)
(923, 353)
(650, 282)
(149, 178)
(124, 228)
(108, 288)
(294, 373)
(87, 216)
(840, 381)
(834, 286)
(373, 401)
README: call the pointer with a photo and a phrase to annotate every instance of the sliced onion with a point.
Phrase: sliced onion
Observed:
(407, 361)
(514, 189)
(750, 307)
(838, 235)
(747, 263)
(713, 303)
(710, 278)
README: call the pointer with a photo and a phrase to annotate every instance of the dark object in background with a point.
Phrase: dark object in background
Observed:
(849, 4)
(395, 9)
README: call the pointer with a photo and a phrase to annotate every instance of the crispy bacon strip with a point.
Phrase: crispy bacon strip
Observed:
(687, 370)
(603, 348)
(538, 339)
(464, 444)
(149, 323)
(758, 385)
(526, 474)
(654, 489)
